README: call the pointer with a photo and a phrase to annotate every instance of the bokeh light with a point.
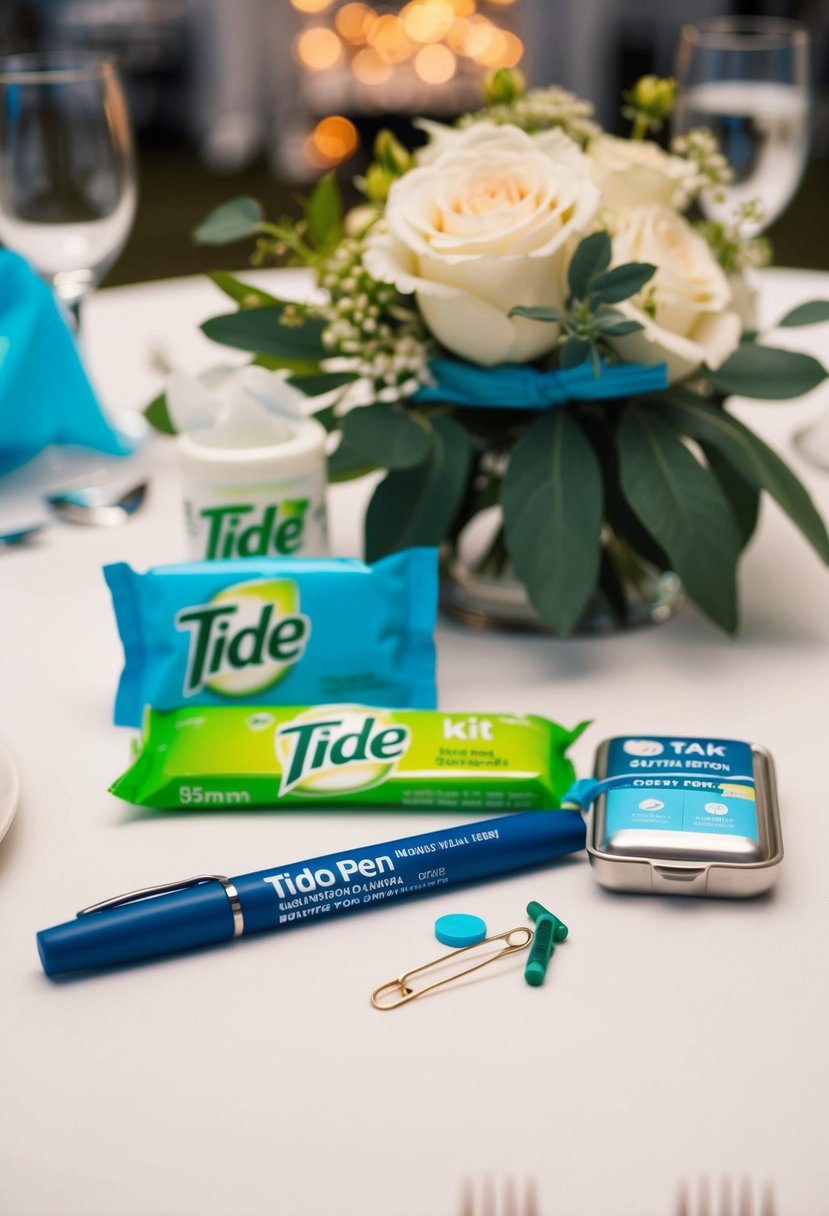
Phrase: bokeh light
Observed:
(369, 68)
(335, 138)
(312, 6)
(388, 38)
(318, 48)
(503, 51)
(352, 22)
(427, 20)
(435, 64)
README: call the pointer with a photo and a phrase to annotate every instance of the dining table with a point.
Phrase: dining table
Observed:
(675, 1042)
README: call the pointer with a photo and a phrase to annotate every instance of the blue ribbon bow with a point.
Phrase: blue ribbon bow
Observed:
(518, 387)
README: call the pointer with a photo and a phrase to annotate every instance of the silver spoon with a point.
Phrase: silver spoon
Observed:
(18, 537)
(91, 507)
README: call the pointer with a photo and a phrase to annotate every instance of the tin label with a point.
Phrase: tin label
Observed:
(682, 785)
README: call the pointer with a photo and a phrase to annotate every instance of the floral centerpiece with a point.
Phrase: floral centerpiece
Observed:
(523, 324)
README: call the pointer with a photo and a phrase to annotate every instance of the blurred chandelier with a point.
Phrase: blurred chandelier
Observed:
(422, 56)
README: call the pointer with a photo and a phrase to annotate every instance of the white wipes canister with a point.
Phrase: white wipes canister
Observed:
(253, 467)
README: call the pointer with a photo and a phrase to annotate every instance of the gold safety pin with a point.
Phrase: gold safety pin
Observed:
(400, 986)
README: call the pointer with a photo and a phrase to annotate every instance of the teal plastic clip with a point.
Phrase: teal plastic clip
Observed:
(549, 930)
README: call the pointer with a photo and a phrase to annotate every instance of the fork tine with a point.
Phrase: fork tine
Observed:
(484, 1200)
(726, 1195)
(704, 1196)
(767, 1206)
(732, 1198)
(532, 1207)
(745, 1201)
(683, 1200)
(488, 1197)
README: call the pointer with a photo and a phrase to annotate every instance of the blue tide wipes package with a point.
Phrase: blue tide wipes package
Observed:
(686, 815)
(277, 631)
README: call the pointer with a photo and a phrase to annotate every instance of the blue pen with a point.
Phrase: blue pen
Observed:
(210, 908)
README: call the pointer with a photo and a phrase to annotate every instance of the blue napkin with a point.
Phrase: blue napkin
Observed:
(45, 396)
(515, 386)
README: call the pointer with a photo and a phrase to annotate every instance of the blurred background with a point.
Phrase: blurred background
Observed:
(256, 97)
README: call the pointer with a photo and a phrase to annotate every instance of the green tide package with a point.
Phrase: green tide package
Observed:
(348, 755)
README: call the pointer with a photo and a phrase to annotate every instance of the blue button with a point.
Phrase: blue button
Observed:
(457, 929)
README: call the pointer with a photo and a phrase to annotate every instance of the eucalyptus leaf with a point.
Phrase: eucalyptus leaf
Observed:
(753, 459)
(324, 382)
(591, 258)
(574, 352)
(617, 327)
(324, 213)
(806, 314)
(552, 502)
(680, 502)
(158, 415)
(767, 373)
(233, 221)
(537, 313)
(621, 283)
(244, 295)
(416, 506)
(389, 435)
(347, 464)
(259, 330)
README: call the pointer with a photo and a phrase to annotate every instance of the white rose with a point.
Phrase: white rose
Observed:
(686, 308)
(633, 172)
(481, 229)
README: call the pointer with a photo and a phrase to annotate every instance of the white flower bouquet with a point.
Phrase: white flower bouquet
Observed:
(524, 316)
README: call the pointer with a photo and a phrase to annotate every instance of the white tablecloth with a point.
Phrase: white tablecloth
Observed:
(673, 1037)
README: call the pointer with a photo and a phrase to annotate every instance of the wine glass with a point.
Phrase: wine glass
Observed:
(747, 80)
(67, 167)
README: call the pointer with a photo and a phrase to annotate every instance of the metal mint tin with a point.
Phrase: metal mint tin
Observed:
(685, 816)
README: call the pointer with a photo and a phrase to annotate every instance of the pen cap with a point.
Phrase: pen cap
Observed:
(146, 928)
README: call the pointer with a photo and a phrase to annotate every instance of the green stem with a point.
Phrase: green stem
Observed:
(641, 126)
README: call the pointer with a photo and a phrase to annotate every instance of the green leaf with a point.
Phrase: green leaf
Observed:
(325, 382)
(621, 283)
(347, 464)
(617, 327)
(574, 352)
(388, 435)
(233, 221)
(244, 295)
(743, 497)
(416, 506)
(552, 501)
(325, 213)
(259, 330)
(158, 415)
(537, 314)
(806, 314)
(680, 502)
(767, 373)
(591, 258)
(612, 588)
(297, 367)
(755, 462)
